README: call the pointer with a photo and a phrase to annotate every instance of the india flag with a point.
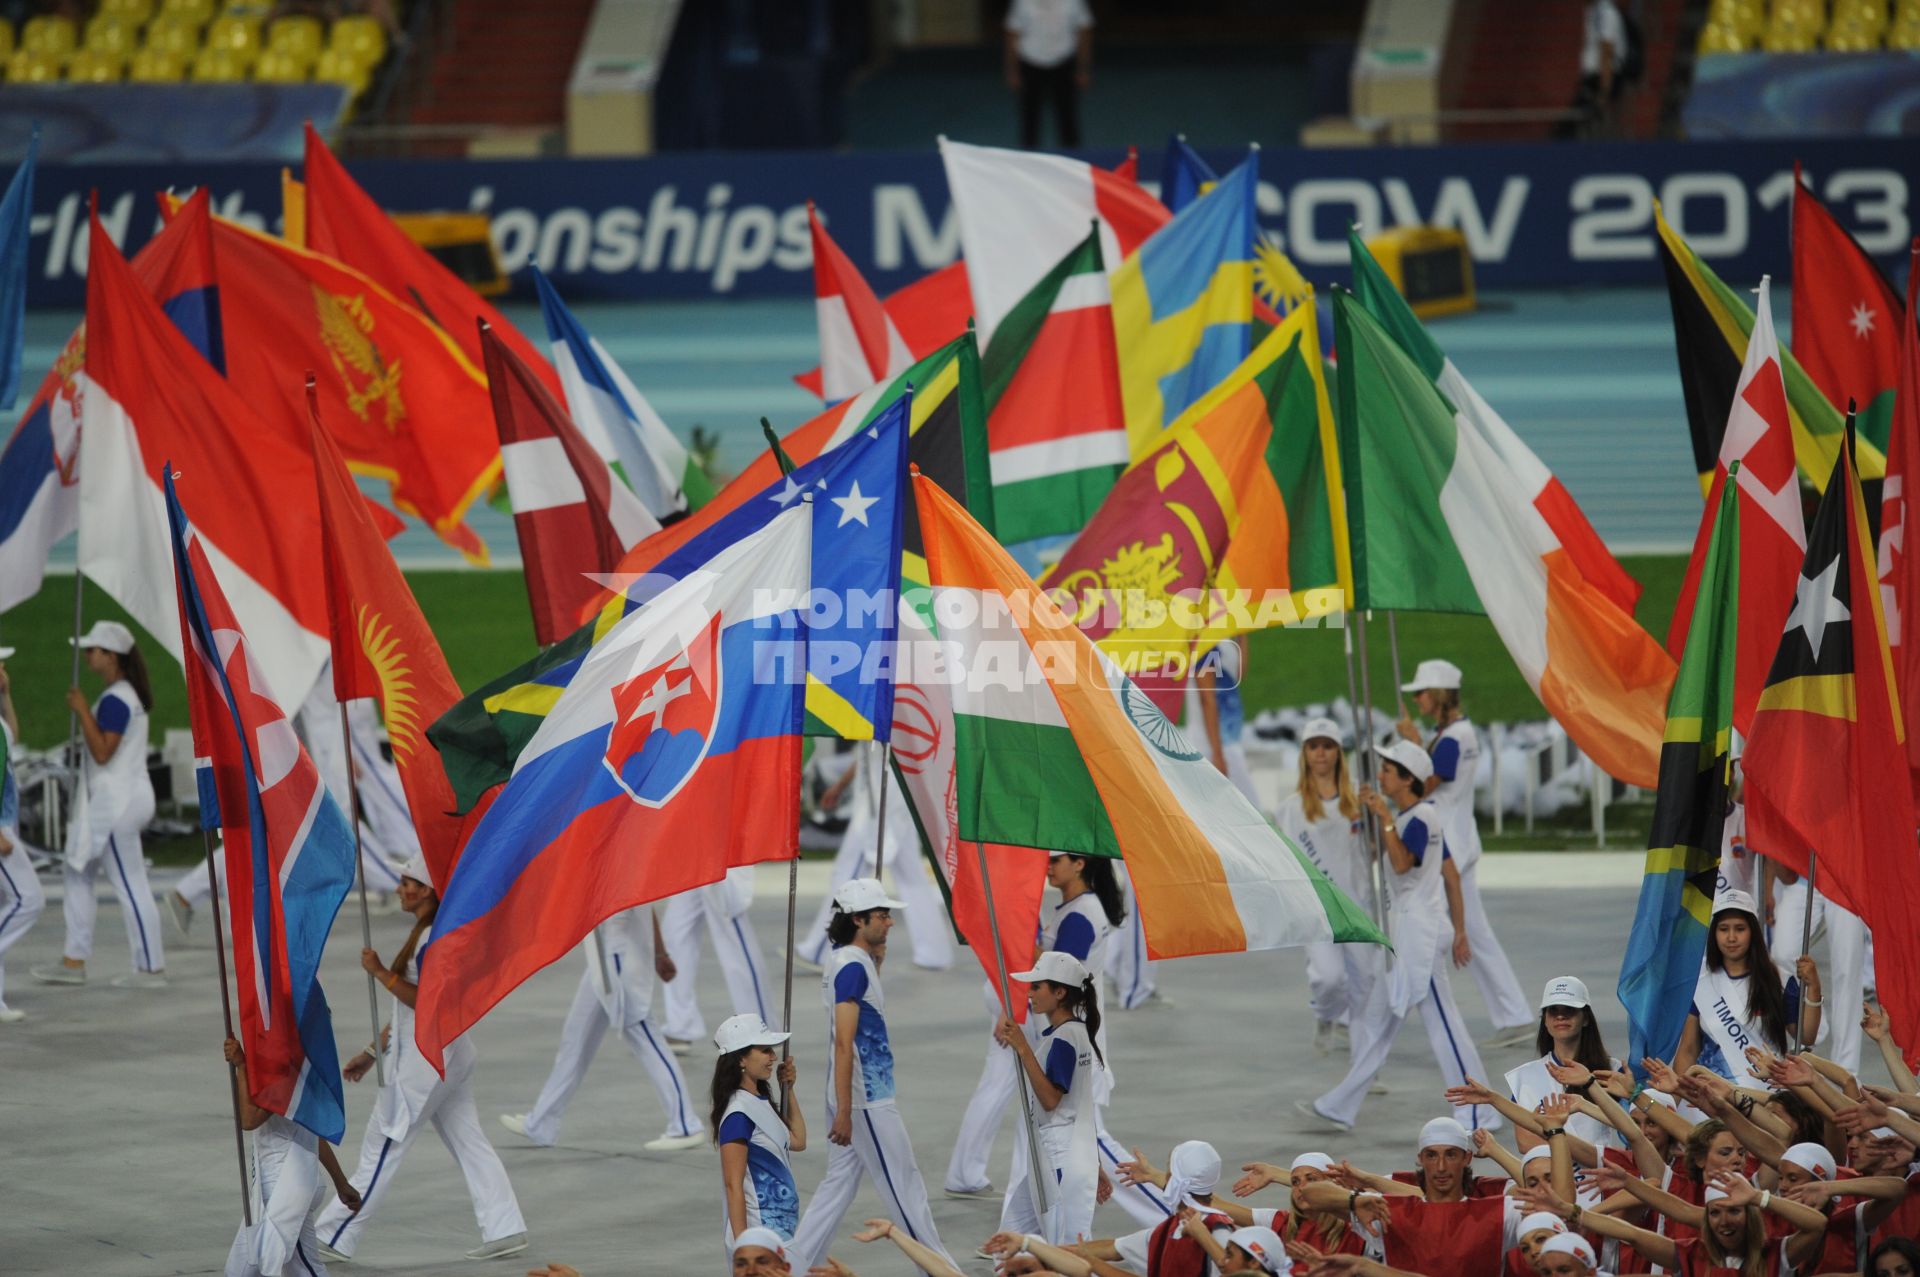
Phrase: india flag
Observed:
(1055, 748)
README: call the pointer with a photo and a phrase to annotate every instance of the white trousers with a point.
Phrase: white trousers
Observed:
(1848, 972)
(1507, 1006)
(21, 901)
(1133, 974)
(125, 866)
(927, 925)
(1070, 1203)
(749, 986)
(1374, 1031)
(881, 1152)
(451, 1109)
(1338, 979)
(580, 1037)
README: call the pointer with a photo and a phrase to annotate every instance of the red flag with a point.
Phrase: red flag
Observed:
(1826, 761)
(858, 343)
(1773, 534)
(1899, 571)
(576, 519)
(1846, 317)
(343, 221)
(382, 646)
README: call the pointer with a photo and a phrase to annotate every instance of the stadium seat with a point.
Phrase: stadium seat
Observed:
(1716, 38)
(218, 66)
(298, 37)
(1850, 35)
(1746, 18)
(1789, 40)
(112, 33)
(32, 66)
(95, 66)
(277, 66)
(6, 39)
(51, 35)
(137, 12)
(198, 12)
(174, 33)
(236, 35)
(1904, 36)
(336, 67)
(363, 39)
(156, 66)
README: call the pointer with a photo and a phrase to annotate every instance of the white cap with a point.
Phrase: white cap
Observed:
(742, 1031)
(1193, 1168)
(1444, 1132)
(1538, 1153)
(1540, 1219)
(1811, 1157)
(1735, 900)
(416, 869)
(1409, 756)
(1265, 1246)
(764, 1238)
(1565, 991)
(1055, 967)
(857, 895)
(6, 653)
(1312, 1162)
(1571, 1244)
(1713, 1195)
(1659, 1097)
(108, 636)
(1322, 729)
(1434, 675)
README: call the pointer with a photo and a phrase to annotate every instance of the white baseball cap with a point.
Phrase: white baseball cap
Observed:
(1435, 675)
(108, 636)
(764, 1238)
(1055, 967)
(1322, 729)
(1811, 1157)
(1265, 1246)
(857, 895)
(1571, 1244)
(1409, 756)
(1713, 1195)
(1540, 1219)
(739, 1032)
(1312, 1162)
(1735, 900)
(1444, 1132)
(1565, 991)
(416, 869)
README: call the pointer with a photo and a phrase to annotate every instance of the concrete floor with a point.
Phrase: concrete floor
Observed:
(117, 1147)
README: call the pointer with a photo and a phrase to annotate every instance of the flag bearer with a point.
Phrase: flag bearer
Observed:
(863, 1118)
(616, 990)
(1455, 748)
(21, 899)
(1062, 1089)
(416, 1095)
(104, 835)
(756, 1142)
(1322, 816)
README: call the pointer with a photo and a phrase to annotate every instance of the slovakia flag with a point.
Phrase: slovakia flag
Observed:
(289, 852)
(672, 755)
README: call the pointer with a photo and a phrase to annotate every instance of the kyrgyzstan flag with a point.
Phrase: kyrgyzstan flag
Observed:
(1826, 760)
(1899, 570)
(859, 344)
(383, 648)
(1846, 317)
(1773, 532)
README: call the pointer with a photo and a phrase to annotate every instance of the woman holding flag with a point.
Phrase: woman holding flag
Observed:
(756, 1140)
(1739, 1001)
(1322, 816)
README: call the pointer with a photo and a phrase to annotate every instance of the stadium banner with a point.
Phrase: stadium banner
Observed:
(1803, 95)
(718, 224)
(164, 123)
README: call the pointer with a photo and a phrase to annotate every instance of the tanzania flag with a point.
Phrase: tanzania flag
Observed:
(1826, 763)
(1711, 323)
(1669, 936)
(1846, 317)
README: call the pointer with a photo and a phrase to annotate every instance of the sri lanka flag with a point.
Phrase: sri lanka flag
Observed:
(289, 853)
(670, 757)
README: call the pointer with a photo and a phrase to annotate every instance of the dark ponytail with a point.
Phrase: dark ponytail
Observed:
(133, 668)
(729, 1073)
(1084, 1002)
(1097, 873)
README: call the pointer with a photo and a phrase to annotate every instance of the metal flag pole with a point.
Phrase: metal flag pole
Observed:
(1036, 1168)
(793, 866)
(1361, 765)
(1366, 718)
(366, 917)
(880, 837)
(226, 1011)
(1393, 650)
(73, 679)
(1806, 946)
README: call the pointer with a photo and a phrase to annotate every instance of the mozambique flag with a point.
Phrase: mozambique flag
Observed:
(1231, 522)
(1826, 764)
(1711, 324)
(1669, 936)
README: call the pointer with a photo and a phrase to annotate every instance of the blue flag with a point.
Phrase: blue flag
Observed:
(16, 219)
(1184, 176)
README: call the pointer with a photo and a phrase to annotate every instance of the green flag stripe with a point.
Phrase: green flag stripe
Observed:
(1026, 784)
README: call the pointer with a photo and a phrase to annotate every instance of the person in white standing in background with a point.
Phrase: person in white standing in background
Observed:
(415, 1095)
(863, 1118)
(1426, 923)
(616, 990)
(1849, 951)
(104, 834)
(757, 1142)
(1049, 60)
(1455, 748)
(721, 909)
(21, 899)
(1322, 817)
(1062, 1090)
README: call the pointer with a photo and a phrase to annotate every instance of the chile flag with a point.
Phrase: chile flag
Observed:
(289, 853)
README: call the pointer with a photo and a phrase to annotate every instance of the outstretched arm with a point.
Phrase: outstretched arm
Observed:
(925, 1258)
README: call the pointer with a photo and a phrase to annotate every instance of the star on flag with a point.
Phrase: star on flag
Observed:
(1815, 605)
(1862, 320)
(854, 506)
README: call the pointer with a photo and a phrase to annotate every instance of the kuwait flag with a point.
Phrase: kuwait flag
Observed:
(1450, 512)
(1056, 749)
(1846, 318)
(1056, 428)
(859, 344)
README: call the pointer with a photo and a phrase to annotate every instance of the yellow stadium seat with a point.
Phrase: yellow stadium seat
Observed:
(218, 66)
(336, 67)
(1748, 18)
(1716, 38)
(299, 37)
(6, 39)
(238, 36)
(156, 66)
(277, 66)
(31, 66)
(50, 34)
(137, 12)
(1851, 38)
(174, 33)
(1789, 40)
(198, 12)
(95, 66)
(111, 33)
(366, 40)
(252, 10)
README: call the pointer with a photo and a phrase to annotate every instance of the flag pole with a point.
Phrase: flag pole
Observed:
(226, 1012)
(1806, 945)
(73, 679)
(1361, 763)
(366, 917)
(793, 866)
(880, 837)
(1393, 649)
(1036, 1177)
(1366, 747)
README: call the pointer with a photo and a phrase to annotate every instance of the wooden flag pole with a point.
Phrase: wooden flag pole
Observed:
(366, 917)
(1806, 947)
(1036, 1168)
(226, 1012)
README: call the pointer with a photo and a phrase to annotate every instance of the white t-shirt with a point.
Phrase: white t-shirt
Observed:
(1047, 31)
(1604, 28)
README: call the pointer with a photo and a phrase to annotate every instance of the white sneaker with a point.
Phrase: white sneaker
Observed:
(1308, 1110)
(8, 1015)
(515, 1122)
(680, 1046)
(331, 1255)
(61, 974)
(1518, 1035)
(675, 1143)
(500, 1249)
(140, 980)
(986, 1192)
(1377, 1087)
(180, 911)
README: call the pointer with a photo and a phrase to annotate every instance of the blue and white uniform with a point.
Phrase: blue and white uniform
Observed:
(772, 1199)
(1068, 1138)
(1455, 750)
(283, 1176)
(880, 1150)
(21, 898)
(1338, 975)
(615, 991)
(104, 836)
(1421, 928)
